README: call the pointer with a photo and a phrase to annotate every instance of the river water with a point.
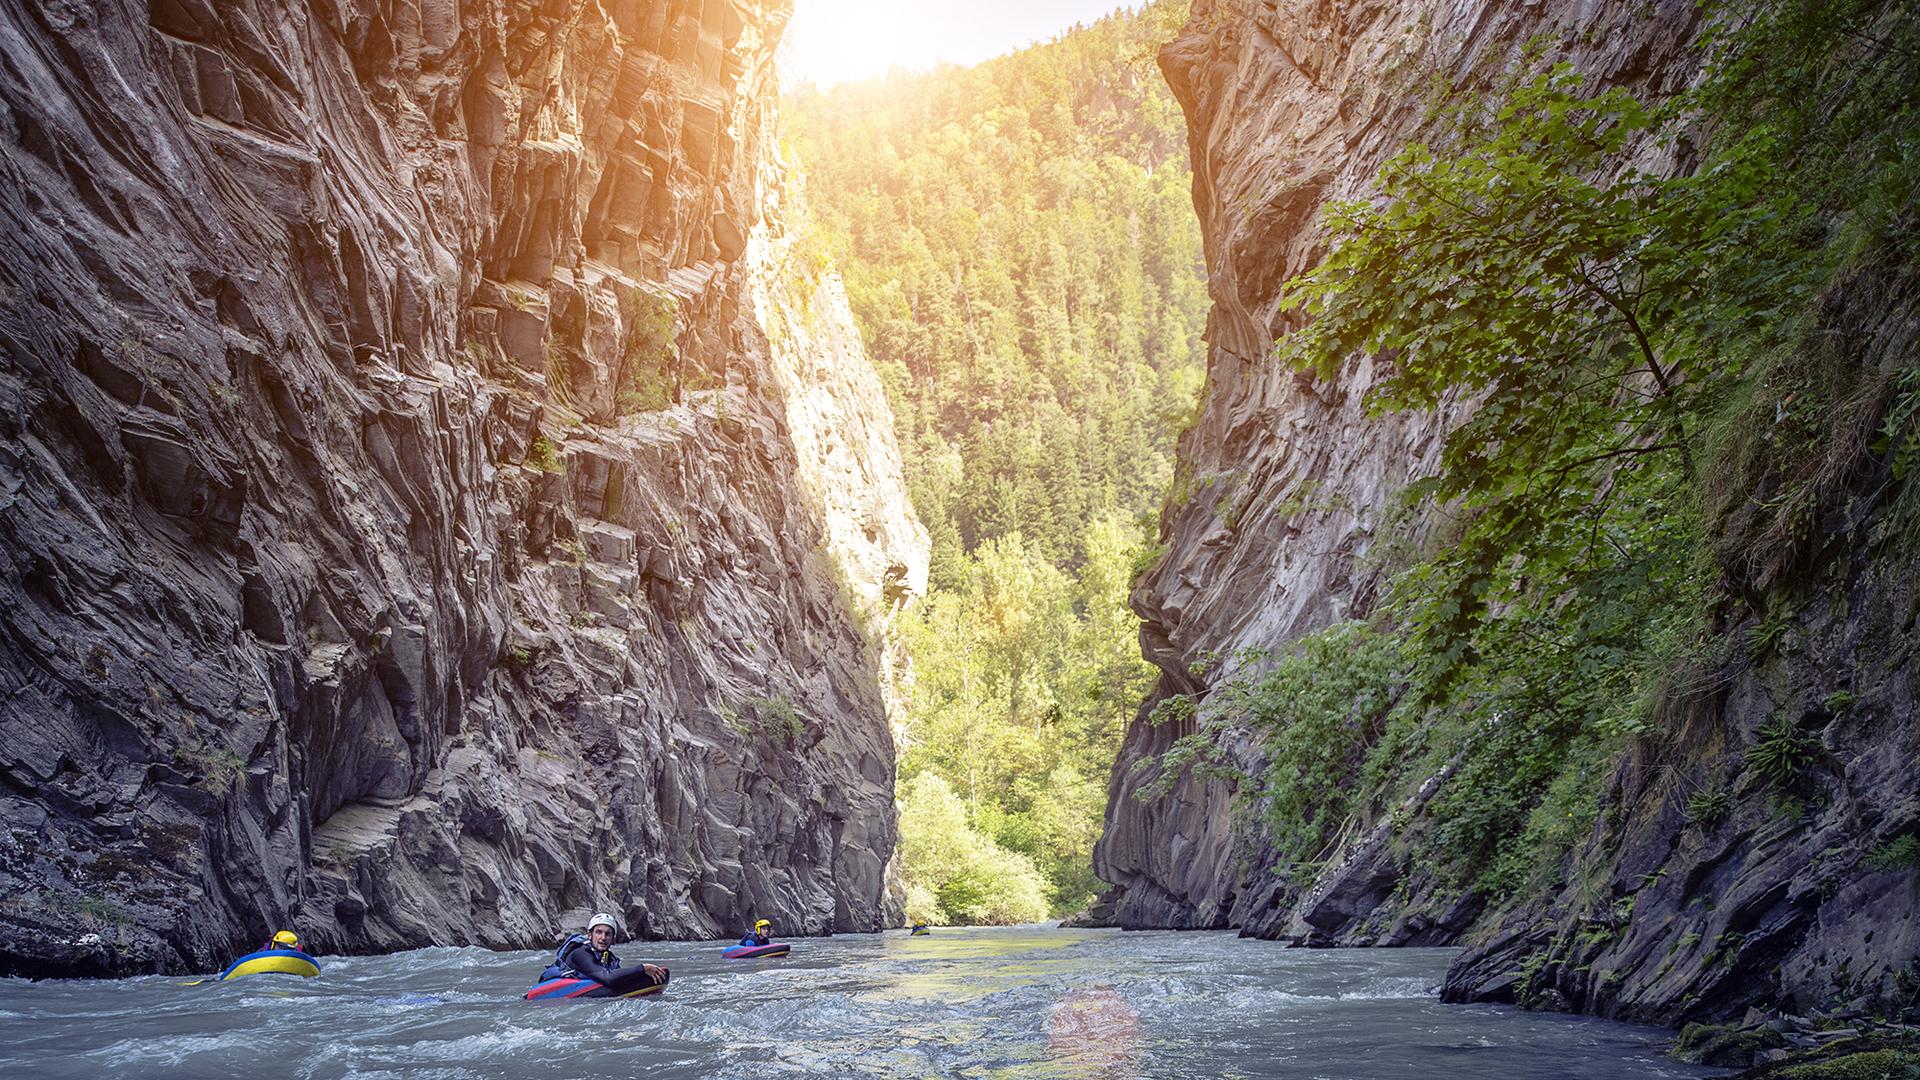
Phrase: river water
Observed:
(1023, 1002)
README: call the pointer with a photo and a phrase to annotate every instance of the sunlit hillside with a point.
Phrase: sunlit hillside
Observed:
(1021, 253)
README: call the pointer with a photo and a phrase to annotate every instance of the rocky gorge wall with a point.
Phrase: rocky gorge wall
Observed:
(433, 504)
(1284, 502)
(1287, 477)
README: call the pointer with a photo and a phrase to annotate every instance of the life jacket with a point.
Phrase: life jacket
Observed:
(560, 969)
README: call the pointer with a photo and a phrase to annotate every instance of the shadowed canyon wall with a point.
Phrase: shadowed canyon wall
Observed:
(433, 502)
(1286, 481)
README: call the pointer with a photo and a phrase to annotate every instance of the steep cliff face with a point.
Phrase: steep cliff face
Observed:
(1286, 493)
(412, 526)
(1285, 478)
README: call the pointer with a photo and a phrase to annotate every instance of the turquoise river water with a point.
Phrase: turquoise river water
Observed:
(1023, 1002)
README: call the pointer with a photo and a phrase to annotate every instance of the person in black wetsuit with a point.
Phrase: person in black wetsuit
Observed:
(590, 956)
(757, 935)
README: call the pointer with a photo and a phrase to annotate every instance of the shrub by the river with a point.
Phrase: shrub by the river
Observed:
(958, 875)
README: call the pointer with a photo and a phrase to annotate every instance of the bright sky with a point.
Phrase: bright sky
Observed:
(832, 41)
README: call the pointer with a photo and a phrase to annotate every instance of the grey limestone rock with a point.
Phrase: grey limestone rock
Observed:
(409, 532)
(1290, 103)
(1782, 904)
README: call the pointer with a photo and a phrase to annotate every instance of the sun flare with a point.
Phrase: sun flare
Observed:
(831, 41)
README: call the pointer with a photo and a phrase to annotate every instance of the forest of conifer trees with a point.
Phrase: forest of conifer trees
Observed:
(1021, 253)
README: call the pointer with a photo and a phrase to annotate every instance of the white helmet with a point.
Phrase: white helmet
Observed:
(603, 919)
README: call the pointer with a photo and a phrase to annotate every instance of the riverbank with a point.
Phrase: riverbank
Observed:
(1819, 1047)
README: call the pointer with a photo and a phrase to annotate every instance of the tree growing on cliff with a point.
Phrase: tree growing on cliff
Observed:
(1567, 306)
(1573, 309)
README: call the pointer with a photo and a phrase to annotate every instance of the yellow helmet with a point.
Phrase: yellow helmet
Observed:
(761, 923)
(287, 938)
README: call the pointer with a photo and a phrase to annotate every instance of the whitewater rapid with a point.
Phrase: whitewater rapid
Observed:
(1002, 1003)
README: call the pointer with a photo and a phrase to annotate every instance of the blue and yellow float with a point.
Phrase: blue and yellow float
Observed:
(271, 962)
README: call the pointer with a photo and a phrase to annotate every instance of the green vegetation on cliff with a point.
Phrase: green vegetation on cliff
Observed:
(1022, 256)
(1665, 428)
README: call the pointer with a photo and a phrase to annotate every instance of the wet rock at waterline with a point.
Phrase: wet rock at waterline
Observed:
(408, 529)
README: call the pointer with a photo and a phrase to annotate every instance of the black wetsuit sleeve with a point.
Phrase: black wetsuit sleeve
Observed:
(585, 961)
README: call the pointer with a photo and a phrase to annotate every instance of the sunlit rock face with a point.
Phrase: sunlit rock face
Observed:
(1287, 481)
(838, 418)
(414, 527)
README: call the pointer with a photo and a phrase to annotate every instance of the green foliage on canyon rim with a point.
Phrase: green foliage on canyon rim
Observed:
(1023, 260)
(1653, 422)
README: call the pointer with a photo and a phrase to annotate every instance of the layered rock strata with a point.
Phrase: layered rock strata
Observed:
(414, 527)
(1285, 485)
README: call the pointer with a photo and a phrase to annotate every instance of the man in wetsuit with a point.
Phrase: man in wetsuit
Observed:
(757, 935)
(593, 958)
